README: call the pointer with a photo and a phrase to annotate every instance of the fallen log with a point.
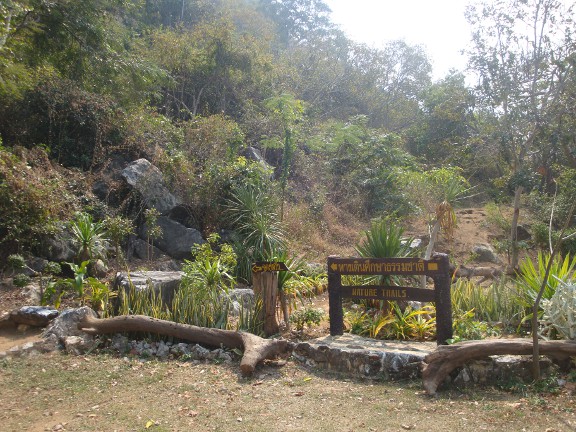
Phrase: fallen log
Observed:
(438, 364)
(255, 348)
(485, 273)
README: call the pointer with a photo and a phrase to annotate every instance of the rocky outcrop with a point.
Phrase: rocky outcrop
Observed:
(252, 153)
(57, 247)
(36, 316)
(163, 283)
(63, 331)
(147, 180)
(176, 240)
(485, 253)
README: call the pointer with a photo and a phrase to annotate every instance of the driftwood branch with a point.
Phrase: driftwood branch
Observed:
(255, 348)
(438, 364)
(470, 272)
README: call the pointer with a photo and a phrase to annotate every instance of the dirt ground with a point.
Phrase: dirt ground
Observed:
(56, 392)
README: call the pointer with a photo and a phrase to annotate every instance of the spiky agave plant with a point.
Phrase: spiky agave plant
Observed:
(89, 237)
(252, 213)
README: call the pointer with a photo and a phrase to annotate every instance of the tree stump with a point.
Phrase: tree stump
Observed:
(265, 286)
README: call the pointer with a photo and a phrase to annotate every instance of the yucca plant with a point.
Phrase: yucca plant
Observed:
(89, 236)
(531, 276)
(384, 239)
(252, 213)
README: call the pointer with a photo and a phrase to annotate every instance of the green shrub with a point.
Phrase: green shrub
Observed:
(52, 268)
(540, 236)
(89, 236)
(33, 198)
(21, 280)
(201, 298)
(260, 237)
(307, 316)
(397, 323)
(467, 327)
(16, 262)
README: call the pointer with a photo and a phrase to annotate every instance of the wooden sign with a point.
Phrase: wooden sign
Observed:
(385, 266)
(378, 292)
(259, 267)
(437, 268)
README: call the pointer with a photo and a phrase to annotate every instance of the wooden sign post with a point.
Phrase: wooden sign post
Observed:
(437, 268)
(265, 285)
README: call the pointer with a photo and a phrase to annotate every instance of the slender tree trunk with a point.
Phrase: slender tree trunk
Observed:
(430, 248)
(514, 231)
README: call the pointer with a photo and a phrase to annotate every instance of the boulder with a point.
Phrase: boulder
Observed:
(66, 324)
(36, 316)
(485, 253)
(147, 180)
(164, 283)
(253, 154)
(139, 249)
(522, 233)
(176, 240)
(240, 299)
(58, 247)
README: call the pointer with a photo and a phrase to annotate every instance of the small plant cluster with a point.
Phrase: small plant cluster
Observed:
(398, 323)
(307, 316)
(202, 298)
(91, 239)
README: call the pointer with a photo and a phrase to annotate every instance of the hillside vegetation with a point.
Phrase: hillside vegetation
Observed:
(266, 134)
(265, 120)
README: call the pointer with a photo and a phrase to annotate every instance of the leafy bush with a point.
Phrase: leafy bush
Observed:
(118, 228)
(33, 198)
(467, 327)
(21, 280)
(307, 316)
(16, 262)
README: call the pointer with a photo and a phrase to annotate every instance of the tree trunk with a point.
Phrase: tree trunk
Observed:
(255, 348)
(438, 364)
(430, 248)
(265, 286)
(514, 231)
(284, 306)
